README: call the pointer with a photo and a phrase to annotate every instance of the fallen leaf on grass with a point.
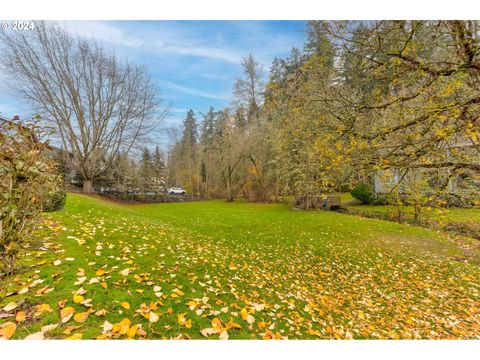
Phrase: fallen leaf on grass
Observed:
(132, 331)
(125, 305)
(153, 318)
(48, 328)
(77, 299)
(10, 306)
(7, 330)
(207, 332)
(66, 314)
(77, 336)
(20, 317)
(43, 308)
(86, 302)
(107, 326)
(125, 272)
(35, 336)
(81, 317)
(102, 312)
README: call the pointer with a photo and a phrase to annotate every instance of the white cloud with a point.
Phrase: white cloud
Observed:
(160, 42)
(100, 31)
(195, 92)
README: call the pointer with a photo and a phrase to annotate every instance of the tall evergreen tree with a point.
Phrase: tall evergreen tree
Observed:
(190, 133)
(158, 163)
(189, 152)
(208, 125)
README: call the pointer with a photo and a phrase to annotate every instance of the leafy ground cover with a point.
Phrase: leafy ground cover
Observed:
(457, 215)
(216, 270)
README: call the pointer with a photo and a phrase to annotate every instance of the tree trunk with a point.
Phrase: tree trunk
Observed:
(230, 196)
(87, 186)
(229, 189)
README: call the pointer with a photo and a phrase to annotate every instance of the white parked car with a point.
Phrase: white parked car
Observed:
(176, 191)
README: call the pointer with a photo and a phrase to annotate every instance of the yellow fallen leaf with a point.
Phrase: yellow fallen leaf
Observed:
(125, 305)
(66, 314)
(122, 327)
(244, 314)
(7, 330)
(81, 317)
(231, 324)
(77, 336)
(132, 331)
(21, 316)
(217, 323)
(43, 307)
(77, 298)
(181, 318)
(100, 272)
(104, 285)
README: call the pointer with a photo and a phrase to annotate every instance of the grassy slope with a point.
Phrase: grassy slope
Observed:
(319, 274)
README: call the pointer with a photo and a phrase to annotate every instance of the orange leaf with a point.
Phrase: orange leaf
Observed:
(7, 330)
(66, 314)
(21, 316)
(81, 317)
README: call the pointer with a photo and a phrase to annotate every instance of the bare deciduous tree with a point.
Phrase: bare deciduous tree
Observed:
(99, 105)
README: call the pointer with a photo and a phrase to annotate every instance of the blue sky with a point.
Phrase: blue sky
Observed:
(195, 63)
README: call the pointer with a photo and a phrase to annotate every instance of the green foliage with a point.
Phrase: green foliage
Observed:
(29, 179)
(55, 199)
(364, 193)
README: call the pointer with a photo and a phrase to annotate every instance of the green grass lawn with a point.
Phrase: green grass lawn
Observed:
(239, 270)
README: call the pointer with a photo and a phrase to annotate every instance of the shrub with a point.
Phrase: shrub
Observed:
(27, 177)
(55, 199)
(364, 193)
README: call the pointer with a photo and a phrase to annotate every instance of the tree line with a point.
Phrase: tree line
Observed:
(360, 99)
